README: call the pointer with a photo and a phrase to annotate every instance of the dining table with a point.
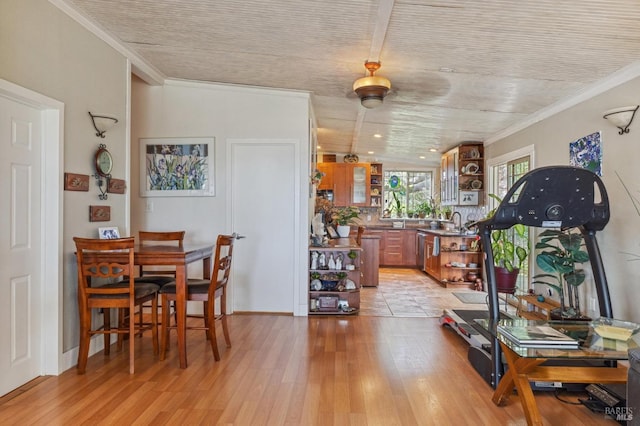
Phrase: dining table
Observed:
(180, 257)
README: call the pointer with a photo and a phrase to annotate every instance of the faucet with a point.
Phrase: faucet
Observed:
(453, 219)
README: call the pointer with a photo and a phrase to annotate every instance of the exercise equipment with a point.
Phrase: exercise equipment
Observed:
(548, 197)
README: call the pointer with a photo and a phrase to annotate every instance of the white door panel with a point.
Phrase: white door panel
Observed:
(263, 209)
(20, 243)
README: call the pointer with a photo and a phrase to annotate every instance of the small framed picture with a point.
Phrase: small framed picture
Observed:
(468, 198)
(332, 232)
(108, 233)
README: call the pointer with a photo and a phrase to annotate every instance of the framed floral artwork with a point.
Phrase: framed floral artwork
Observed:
(177, 167)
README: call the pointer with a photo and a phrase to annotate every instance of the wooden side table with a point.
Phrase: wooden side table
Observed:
(529, 307)
(524, 370)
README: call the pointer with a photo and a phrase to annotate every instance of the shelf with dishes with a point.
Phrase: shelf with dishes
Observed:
(334, 279)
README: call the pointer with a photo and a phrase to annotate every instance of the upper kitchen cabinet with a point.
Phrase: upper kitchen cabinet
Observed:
(351, 184)
(462, 175)
(326, 183)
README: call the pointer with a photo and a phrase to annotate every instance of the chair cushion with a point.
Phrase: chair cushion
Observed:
(141, 290)
(194, 286)
(156, 279)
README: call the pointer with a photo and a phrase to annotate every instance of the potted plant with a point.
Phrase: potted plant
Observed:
(560, 252)
(343, 217)
(424, 209)
(508, 255)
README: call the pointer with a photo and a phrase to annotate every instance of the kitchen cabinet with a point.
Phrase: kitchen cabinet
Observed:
(326, 183)
(370, 264)
(462, 175)
(409, 247)
(350, 183)
(327, 296)
(397, 246)
(393, 247)
(432, 256)
(451, 258)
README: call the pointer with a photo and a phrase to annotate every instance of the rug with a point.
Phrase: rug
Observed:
(475, 297)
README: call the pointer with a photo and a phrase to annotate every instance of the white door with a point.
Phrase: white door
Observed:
(263, 206)
(20, 244)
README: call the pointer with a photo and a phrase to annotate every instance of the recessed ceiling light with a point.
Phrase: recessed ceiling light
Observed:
(377, 135)
(422, 157)
(319, 147)
(433, 150)
(371, 152)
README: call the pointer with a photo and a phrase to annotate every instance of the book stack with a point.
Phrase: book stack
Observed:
(537, 336)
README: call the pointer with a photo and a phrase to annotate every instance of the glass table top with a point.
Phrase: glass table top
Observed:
(589, 334)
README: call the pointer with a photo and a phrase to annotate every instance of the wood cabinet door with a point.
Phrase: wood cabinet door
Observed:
(393, 248)
(381, 246)
(432, 262)
(327, 180)
(341, 185)
(409, 247)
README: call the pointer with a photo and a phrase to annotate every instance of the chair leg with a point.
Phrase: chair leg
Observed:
(205, 317)
(211, 330)
(132, 335)
(85, 340)
(106, 316)
(154, 324)
(164, 327)
(223, 315)
(121, 324)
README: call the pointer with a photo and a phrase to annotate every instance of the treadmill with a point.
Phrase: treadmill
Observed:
(548, 197)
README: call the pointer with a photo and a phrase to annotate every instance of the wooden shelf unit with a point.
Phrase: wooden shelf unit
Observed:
(376, 185)
(352, 297)
(531, 308)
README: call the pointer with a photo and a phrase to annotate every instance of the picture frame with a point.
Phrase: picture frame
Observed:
(108, 233)
(468, 198)
(177, 167)
(99, 213)
(332, 232)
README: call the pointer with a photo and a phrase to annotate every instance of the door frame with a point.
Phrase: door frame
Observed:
(52, 119)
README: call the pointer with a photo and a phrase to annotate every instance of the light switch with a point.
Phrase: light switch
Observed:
(149, 206)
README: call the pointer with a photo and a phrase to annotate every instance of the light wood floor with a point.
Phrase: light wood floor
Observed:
(360, 370)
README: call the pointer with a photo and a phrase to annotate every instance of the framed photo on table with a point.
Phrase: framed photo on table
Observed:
(177, 167)
(108, 233)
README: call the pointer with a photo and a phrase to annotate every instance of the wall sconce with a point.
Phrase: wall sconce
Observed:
(102, 123)
(622, 117)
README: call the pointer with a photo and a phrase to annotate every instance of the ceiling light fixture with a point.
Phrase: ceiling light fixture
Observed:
(621, 117)
(372, 89)
(102, 123)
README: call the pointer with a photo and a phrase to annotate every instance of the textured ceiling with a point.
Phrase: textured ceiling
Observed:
(460, 69)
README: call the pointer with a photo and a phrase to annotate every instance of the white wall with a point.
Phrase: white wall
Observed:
(183, 109)
(44, 50)
(619, 241)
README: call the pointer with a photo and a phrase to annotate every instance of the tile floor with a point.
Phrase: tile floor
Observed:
(405, 292)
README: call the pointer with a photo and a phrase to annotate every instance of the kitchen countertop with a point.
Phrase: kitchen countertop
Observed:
(445, 233)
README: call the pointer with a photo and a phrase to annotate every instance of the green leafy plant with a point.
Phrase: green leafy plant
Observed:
(352, 254)
(345, 215)
(507, 253)
(424, 209)
(559, 253)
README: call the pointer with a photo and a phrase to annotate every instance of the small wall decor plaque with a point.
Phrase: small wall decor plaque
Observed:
(116, 186)
(76, 182)
(99, 213)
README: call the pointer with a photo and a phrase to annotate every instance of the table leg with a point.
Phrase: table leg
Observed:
(181, 313)
(517, 376)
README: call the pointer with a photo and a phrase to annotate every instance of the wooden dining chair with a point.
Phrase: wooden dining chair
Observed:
(207, 291)
(361, 230)
(102, 264)
(157, 275)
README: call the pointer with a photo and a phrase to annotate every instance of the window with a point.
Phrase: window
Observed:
(406, 189)
(504, 172)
